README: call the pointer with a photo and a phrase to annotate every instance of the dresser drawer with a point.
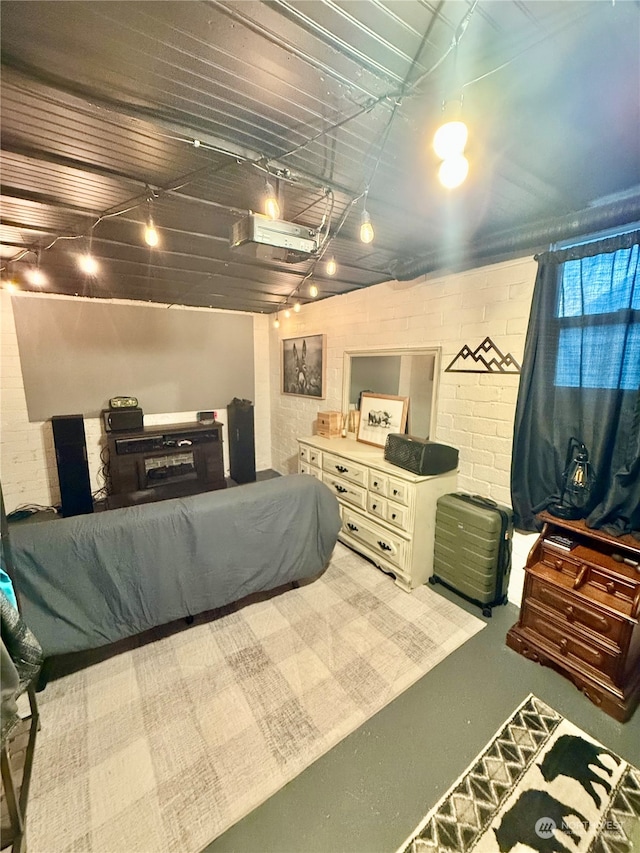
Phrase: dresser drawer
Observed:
(378, 483)
(568, 645)
(390, 548)
(592, 583)
(399, 491)
(346, 491)
(344, 469)
(311, 470)
(310, 455)
(577, 613)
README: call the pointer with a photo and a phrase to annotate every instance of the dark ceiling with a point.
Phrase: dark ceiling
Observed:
(103, 102)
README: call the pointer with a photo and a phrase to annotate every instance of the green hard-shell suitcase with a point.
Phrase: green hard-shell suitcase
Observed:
(472, 551)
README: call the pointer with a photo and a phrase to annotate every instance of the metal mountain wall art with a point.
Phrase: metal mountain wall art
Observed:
(485, 358)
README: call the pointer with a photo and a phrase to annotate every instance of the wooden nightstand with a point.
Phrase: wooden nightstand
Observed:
(580, 611)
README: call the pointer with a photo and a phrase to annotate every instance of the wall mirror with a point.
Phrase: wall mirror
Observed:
(411, 372)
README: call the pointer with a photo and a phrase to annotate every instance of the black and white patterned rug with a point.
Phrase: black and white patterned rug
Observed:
(540, 785)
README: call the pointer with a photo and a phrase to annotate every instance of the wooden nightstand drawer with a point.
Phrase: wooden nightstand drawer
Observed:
(575, 612)
(567, 645)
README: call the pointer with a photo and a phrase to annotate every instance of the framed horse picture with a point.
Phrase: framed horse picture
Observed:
(381, 414)
(303, 366)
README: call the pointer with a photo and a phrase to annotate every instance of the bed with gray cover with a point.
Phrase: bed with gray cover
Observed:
(92, 580)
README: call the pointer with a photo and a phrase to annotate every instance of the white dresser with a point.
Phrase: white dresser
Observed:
(388, 514)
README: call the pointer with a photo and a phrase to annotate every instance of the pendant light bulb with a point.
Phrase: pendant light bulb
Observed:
(287, 313)
(313, 291)
(36, 277)
(296, 307)
(151, 237)
(453, 171)
(450, 139)
(271, 206)
(366, 228)
(88, 264)
(276, 322)
(332, 266)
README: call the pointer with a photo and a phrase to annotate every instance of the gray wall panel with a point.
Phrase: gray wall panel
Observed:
(75, 355)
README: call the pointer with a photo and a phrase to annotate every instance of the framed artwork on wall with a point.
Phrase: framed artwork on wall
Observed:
(303, 366)
(381, 414)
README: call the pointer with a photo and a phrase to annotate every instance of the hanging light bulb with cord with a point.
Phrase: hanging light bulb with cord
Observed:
(87, 262)
(449, 143)
(151, 237)
(276, 322)
(313, 291)
(35, 276)
(332, 266)
(271, 205)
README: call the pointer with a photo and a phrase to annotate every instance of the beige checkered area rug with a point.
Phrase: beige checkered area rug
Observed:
(163, 747)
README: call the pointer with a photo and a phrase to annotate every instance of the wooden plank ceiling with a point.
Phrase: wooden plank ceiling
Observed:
(115, 110)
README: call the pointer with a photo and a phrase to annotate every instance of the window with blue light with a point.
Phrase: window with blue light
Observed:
(598, 313)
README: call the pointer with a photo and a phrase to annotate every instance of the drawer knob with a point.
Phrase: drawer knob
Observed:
(570, 613)
(384, 545)
(375, 506)
(375, 483)
(563, 646)
(393, 515)
(396, 492)
(558, 565)
(341, 469)
(340, 488)
(352, 526)
(610, 587)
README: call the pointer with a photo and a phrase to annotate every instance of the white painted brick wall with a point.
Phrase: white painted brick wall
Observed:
(475, 411)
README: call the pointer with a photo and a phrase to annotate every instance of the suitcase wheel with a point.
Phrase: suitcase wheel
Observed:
(486, 611)
(433, 580)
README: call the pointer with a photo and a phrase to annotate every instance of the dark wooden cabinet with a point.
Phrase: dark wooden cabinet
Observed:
(580, 612)
(168, 461)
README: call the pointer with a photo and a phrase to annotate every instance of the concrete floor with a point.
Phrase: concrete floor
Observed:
(368, 793)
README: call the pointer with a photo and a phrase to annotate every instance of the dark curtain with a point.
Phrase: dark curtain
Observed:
(581, 378)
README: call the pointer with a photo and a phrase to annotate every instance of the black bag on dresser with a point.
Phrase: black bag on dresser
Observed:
(472, 551)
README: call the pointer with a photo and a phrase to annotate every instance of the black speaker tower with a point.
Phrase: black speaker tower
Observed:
(73, 470)
(242, 449)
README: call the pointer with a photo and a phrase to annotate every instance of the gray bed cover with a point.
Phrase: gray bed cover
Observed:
(95, 579)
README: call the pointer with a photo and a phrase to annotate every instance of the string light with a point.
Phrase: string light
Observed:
(151, 237)
(276, 322)
(332, 266)
(287, 313)
(35, 276)
(313, 291)
(366, 228)
(87, 263)
(296, 307)
(271, 206)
